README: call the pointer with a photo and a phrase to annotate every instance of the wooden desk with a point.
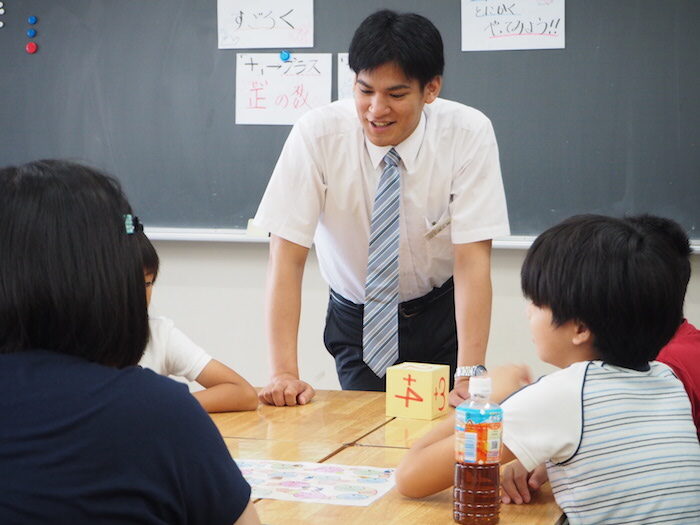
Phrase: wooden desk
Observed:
(314, 451)
(401, 433)
(350, 428)
(394, 508)
(333, 415)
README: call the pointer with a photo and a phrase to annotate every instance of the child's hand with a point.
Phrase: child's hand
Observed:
(507, 379)
(460, 392)
(517, 483)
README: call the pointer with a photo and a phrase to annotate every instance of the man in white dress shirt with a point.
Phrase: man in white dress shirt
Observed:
(452, 204)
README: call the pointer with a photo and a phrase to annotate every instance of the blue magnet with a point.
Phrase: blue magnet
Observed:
(285, 55)
(32, 20)
(31, 33)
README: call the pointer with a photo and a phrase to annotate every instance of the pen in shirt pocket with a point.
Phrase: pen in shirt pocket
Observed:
(435, 227)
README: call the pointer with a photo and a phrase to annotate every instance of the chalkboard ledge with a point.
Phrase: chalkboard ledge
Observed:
(512, 242)
(203, 234)
(240, 235)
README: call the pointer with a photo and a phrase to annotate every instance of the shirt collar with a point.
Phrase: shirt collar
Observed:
(407, 150)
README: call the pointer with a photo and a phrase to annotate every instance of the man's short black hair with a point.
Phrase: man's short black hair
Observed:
(609, 275)
(407, 39)
(149, 255)
(673, 233)
(71, 278)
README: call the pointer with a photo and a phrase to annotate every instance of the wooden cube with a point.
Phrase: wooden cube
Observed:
(417, 390)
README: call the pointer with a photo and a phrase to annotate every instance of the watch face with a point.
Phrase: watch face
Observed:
(480, 370)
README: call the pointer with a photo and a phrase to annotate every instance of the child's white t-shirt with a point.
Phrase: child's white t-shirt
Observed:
(619, 444)
(543, 420)
(171, 353)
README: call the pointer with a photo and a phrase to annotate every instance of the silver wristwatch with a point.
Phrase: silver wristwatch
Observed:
(470, 371)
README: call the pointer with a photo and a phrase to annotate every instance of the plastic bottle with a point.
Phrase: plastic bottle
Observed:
(478, 432)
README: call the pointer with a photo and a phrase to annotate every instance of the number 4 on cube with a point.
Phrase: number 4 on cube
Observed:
(417, 390)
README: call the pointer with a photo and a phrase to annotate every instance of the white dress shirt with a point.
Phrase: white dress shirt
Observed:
(323, 187)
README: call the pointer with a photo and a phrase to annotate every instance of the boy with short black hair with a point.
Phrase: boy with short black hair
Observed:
(613, 427)
(682, 352)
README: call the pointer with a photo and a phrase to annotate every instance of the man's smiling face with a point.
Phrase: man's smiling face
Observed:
(389, 104)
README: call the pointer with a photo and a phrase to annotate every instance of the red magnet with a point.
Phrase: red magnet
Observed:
(31, 48)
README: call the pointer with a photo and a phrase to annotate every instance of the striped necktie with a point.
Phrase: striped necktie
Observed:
(380, 334)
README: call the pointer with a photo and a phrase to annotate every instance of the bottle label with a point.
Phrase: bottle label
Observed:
(478, 435)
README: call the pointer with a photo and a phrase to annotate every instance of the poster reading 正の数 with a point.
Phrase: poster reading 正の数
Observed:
(275, 90)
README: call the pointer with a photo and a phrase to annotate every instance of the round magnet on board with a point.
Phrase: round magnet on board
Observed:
(32, 20)
(285, 55)
(2, 11)
(31, 48)
(2, 23)
(2, 5)
(31, 33)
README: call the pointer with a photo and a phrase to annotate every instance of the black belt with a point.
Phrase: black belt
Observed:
(407, 308)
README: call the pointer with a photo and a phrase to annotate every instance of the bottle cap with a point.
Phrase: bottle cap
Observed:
(480, 386)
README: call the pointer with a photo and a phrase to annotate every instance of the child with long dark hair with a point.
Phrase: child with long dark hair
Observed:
(86, 436)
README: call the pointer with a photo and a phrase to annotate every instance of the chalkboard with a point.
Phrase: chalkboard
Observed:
(610, 124)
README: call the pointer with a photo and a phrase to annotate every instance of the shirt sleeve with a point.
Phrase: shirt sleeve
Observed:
(478, 206)
(295, 195)
(543, 421)
(183, 357)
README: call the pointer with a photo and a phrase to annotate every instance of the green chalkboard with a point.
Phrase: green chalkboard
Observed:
(610, 124)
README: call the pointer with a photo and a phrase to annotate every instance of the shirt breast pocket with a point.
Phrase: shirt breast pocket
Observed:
(438, 236)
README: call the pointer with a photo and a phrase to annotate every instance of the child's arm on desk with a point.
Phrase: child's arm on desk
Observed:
(428, 467)
(225, 390)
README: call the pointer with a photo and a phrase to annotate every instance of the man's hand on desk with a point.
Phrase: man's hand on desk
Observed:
(517, 483)
(286, 390)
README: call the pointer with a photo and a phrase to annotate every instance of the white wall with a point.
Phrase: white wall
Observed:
(215, 294)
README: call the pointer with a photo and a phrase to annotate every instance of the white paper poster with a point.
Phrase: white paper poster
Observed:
(490, 25)
(328, 483)
(346, 77)
(270, 90)
(248, 24)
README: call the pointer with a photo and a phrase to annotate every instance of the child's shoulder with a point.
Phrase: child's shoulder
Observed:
(565, 384)
(611, 382)
(655, 370)
(160, 325)
(564, 379)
